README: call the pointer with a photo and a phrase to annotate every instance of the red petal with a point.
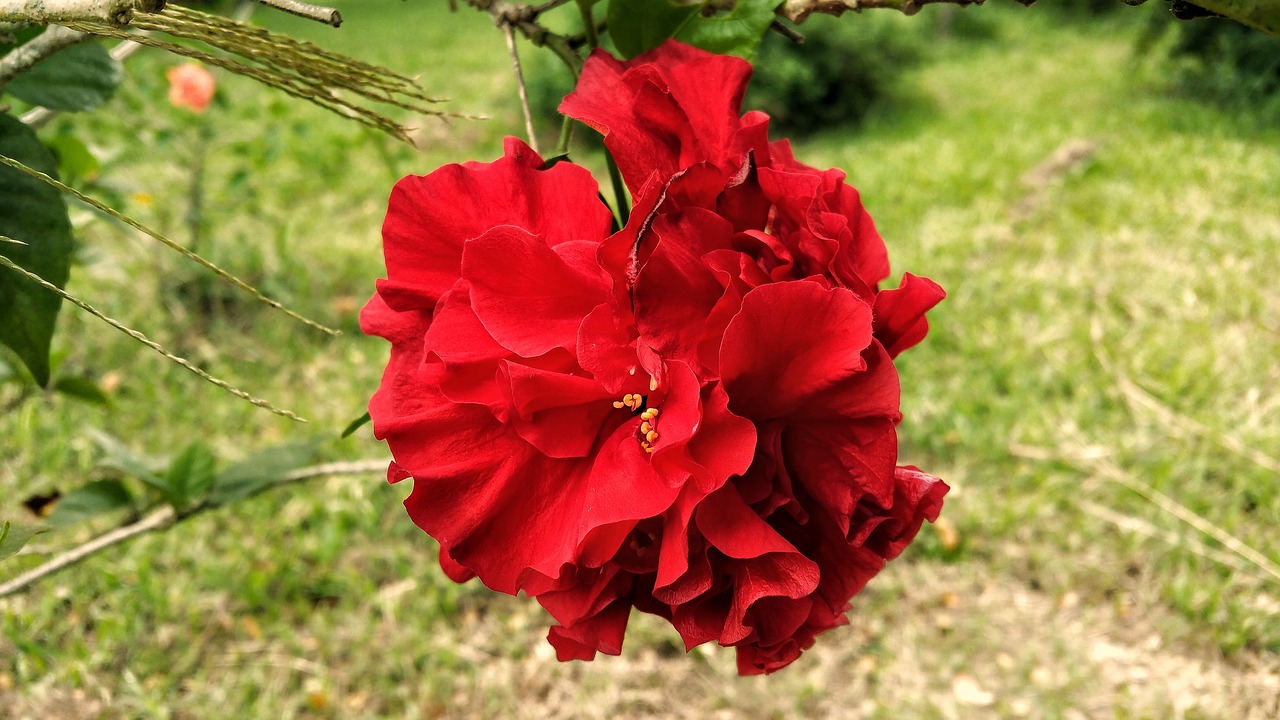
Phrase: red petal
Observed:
(603, 632)
(606, 349)
(531, 297)
(452, 569)
(899, 314)
(665, 110)
(429, 218)
(733, 528)
(840, 463)
(456, 335)
(675, 292)
(790, 343)
(917, 497)
(561, 415)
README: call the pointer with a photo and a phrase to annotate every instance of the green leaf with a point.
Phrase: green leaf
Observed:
(77, 78)
(737, 32)
(13, 537)
(75, 160)
(191, 474)
(637, 26)
(96, 498)
(259, 471)
(81, 389)
(118, 457)
(355, 425)
(34, 213)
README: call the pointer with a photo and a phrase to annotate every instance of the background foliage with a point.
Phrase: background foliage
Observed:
(1078, 204)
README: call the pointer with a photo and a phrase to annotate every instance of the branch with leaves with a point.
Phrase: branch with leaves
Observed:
(235, 489)
(25, 57)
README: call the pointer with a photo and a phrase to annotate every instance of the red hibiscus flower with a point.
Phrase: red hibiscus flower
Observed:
(191, 87)
(694, 416)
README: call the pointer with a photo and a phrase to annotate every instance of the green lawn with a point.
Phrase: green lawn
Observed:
(1113, 318)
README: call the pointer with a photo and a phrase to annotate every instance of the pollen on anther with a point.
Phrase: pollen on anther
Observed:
(651, 436)
(618, 404)
(645, 427)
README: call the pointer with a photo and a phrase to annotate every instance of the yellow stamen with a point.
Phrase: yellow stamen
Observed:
(618, 404)
(651, 436)
(645, 427)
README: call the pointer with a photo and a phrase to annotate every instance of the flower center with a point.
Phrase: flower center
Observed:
(648, 418)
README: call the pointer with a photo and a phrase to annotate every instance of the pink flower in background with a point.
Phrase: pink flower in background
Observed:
(694, 416)
(191, 87)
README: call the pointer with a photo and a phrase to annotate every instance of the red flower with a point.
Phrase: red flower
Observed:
(191, 87)
(694, 416)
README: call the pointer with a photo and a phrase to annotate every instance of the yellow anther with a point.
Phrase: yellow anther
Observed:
(651, 436)
(618, 404)
(649, 414)
(647, 447)
(645, 427)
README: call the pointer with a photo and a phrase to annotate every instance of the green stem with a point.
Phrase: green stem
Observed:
(566, 136)
(619, 190)
(589, 26)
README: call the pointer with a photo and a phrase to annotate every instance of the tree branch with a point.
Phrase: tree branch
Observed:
(319, 13)
(797, 10)
(49, 12)
(1261, 15)
(38, 117)
(166, 517)
(525, 19)
(25, 56)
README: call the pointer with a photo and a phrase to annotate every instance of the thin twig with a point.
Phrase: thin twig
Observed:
(189, 254)
(797, 10)
(1110, 471)
(1139, 399)
(1146, 529)
(159, 519)
(510, 35)
(326, 15)
(524, 18)
(786, 31)
(165, 517)
(146, 341)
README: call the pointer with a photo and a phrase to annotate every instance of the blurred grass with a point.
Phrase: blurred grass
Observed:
(325, 601)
